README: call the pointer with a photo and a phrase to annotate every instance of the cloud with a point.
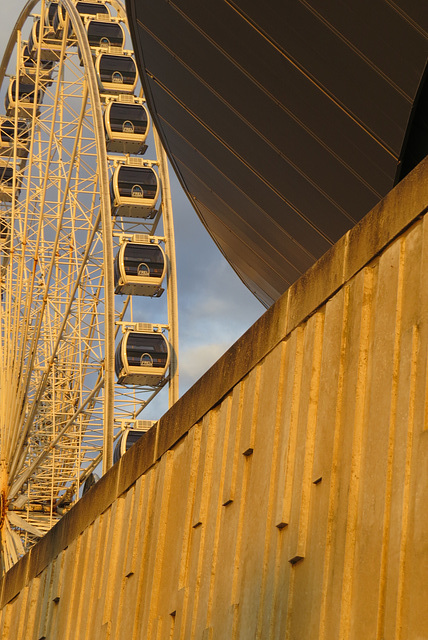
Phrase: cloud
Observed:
(196, 360)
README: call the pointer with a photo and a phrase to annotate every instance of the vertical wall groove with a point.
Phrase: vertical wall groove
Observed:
(310, 439)
(283, 517)
(246, 447)
(333, 488)
(184, 564)
(406, 490)
(214, 560)
(147, 527)
(200, 516)
(358, 426)
(270, 531)
(391, 442)
(159, 550)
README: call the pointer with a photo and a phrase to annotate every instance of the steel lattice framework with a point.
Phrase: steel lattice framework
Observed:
(60, 320)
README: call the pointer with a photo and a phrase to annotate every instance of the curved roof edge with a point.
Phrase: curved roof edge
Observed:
(284, 125)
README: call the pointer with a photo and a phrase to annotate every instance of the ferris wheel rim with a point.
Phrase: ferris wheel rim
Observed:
(25, 12)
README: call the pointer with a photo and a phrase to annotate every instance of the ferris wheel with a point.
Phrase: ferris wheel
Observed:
(86, 242)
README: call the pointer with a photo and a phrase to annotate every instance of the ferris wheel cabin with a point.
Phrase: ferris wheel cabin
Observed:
(139, 269)
(29, 68)
(134, 191)
(50, 44)
(116, 73)
(103, 35)
(50, 13)
(126, 127)
(85, 9)
(92, 479)
(23, 96)
(142, 358)
(128, 437)
(59, 20)
(7, 137)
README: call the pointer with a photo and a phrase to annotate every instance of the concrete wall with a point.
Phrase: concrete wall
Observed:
(285, 495)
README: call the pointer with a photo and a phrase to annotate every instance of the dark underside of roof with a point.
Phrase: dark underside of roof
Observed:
(286, 120)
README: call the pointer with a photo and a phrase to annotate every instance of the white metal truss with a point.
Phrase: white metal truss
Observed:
(60, 407)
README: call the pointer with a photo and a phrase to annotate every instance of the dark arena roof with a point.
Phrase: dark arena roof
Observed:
(286, 120)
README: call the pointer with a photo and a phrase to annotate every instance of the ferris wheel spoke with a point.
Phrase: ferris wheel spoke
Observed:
(16, 520)
(43, 455)
(31, 148)
(54, 249)
(39, 395)
(12, 545)
(16, 320)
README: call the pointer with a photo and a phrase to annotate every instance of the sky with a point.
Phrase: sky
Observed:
(215, 308)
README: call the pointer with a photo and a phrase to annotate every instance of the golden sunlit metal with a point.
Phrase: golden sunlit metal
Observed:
(62, 223)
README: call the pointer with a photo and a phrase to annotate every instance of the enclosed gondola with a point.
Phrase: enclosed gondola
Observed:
(50, 14)
(126, 126)
(127, 438)
(116, 73)
(8, 140)
(134, 191)
(29, 68)
(142, 358)
(23, 93)
(9, 185)
(85, 9)
(139, 269)
(50, 43)
(92, 479)
(103, 35)
(59, 21)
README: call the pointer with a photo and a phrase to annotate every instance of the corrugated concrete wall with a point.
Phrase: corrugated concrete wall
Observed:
(286, 495)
